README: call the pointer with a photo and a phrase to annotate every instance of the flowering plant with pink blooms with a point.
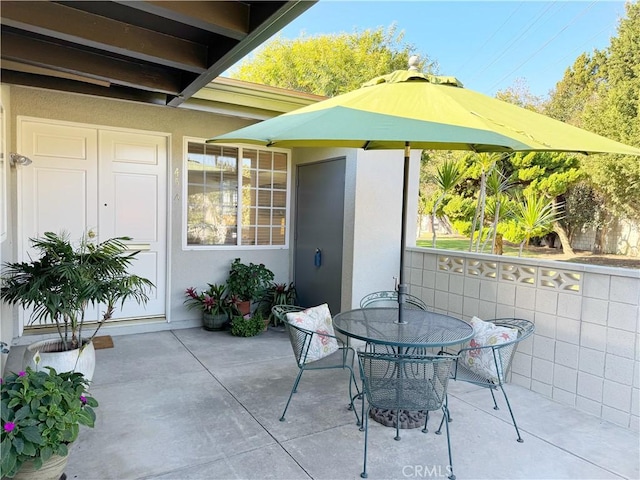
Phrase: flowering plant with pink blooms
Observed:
(41, 416)
(214, 300)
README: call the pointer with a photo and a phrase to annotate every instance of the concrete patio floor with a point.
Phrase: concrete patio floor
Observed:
(192, 404)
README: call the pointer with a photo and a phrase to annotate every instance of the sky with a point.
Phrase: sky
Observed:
(486, 45)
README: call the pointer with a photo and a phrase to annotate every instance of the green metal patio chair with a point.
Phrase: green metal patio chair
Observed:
(389, 298)
(405, 382)
(501, 356)
(301, 341)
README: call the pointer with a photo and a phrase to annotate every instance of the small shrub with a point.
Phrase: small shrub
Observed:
(247, 327)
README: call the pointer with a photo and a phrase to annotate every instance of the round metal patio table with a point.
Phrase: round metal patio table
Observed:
(420, 330)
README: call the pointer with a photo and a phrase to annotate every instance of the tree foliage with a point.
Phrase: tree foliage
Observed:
(601, 93)
(449, 174)
(330, 64)
(519, 94)
(534, 216)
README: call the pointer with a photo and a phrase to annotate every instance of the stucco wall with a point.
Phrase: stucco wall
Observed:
(186, 268)
(585, 352)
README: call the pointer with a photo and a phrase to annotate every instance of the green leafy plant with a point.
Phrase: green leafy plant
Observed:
(247, 327)
(276, 294)
(66, 279)
(247, 281)
(41, 416)
(534, 216)
(214, 300)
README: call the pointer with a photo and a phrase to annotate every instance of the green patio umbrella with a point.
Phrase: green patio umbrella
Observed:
(409, 109)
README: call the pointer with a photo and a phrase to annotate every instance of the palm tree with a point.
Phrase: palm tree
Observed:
(497, 185)
(486, 162)
(449, 175)
(535, 216)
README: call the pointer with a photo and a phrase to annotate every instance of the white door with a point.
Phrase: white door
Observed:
(103, 183)
(132, 204)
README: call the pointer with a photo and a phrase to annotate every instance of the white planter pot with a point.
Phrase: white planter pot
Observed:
(52, 469)
(81, 360)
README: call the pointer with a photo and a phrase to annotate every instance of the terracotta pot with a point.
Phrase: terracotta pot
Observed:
(244, 307)
(52, 469)
(81, 360)
(214, 322)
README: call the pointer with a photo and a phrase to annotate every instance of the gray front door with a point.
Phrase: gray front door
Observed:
(318, 239)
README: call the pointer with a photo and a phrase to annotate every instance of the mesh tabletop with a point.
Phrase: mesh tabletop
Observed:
(421, 329)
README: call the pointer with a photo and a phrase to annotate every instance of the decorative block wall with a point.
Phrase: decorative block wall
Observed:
(586, 349)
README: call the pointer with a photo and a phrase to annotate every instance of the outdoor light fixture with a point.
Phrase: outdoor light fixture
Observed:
(17, 159)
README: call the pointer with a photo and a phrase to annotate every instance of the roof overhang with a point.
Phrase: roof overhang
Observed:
(227, 96)
(159, 52)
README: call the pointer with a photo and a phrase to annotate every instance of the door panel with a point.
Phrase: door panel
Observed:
(319, 227)
(58, 191)
(50, 201)
(133, 204)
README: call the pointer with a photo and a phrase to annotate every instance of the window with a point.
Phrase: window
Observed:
(235, 195)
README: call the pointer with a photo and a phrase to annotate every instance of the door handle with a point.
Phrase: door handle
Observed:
(317, 258)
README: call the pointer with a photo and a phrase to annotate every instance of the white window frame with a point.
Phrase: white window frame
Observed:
(185, 185)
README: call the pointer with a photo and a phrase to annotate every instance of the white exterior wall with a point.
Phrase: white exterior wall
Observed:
(378, 219)
(585, 352)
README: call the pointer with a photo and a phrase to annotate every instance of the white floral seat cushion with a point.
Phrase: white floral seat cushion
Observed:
(481, 360)
(316, 319)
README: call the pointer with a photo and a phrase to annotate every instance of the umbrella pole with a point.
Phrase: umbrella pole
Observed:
(402, 286)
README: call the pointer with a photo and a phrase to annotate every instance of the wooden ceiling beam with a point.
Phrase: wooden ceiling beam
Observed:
(275, 21)
(66, 85)
(43, 54)
(227, 18)
(75, 26)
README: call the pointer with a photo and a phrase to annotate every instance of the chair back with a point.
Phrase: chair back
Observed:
(299, 337)
(280, 311)
(407, 382)
(389, 298)
(500, 355)
(504, 352)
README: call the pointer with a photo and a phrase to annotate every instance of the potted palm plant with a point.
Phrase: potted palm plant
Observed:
(247, 281)
(217, 307)
(61, 284)
(41, 417)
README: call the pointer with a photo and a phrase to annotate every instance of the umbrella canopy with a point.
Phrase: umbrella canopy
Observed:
(409, 109)
(430, 112)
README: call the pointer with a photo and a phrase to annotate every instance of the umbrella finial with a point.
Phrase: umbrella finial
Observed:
(413, 63)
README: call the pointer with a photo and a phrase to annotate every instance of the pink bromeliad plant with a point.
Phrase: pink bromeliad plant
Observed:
(214, 300)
